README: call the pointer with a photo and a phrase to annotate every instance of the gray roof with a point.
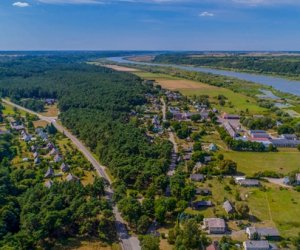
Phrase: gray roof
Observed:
(264, 231)
(249, 182)
(197, 177)
(71, 177)
(64, 167)
(48, 183)
(228, 207)
(257, 244)
(198, 204)
(214, 223)
(49, 173)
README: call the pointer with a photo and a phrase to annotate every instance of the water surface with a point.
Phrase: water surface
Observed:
(282, 84)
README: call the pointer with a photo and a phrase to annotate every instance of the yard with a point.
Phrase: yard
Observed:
(284, 161)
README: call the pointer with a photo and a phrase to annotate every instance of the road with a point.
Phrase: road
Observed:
(127, 241)
(164, 109)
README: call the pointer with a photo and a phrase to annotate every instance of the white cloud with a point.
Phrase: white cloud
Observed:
(20, 4)
(206, 14)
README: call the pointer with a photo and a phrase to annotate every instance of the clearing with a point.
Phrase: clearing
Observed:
(120, 68)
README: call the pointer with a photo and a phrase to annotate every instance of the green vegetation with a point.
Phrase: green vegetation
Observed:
(285, 65)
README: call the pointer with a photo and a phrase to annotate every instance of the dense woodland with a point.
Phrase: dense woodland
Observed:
(95, 104)
(283, 65)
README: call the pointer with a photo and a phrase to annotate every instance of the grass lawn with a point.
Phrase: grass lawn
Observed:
(239, 102)
(284, 161)
(152, 76)
(278, 206)
(9, 110)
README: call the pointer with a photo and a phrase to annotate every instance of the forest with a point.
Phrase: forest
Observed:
(95, 104)
(281, 65)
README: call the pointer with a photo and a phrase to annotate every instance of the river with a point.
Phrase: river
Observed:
(282, 84)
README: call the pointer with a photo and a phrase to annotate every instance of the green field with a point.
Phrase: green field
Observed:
(275, 207)
(239, 101)
(149, 75)
(284, 161)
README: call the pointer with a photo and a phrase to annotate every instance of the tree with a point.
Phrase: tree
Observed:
(143, 224)
(228, 167)
(243, 210)
(196, 117)
(298, 147)
(149, 242)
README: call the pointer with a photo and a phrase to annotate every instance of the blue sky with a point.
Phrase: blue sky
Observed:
(150, 24)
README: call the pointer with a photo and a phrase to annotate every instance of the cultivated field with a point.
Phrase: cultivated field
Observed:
(121, 68)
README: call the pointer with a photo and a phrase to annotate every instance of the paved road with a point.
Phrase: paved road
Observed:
(127, 242)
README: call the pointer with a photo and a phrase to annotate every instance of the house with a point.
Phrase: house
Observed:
(17, 126)
(231, 117)
(214, 225)
(251, 132)
(203, 191)
(297, 179)
(201, 204)
(292, 137)
(57, 158)
(26, 137)
(49, 101)
(49, 173)
(64, 167)
(48, 184)
(37, 160)
(35, 155)
(265, 232)
(257, 245)
(249, 182)
(33, 148)
(50, 145)
(228, 207)
(284, 143)
(207, 158)
(213, 246)
(212, 147)
(260, 135)
(71, 177)
(230, 130)
(197, 177)
(53, 151)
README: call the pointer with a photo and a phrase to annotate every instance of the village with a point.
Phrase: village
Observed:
(189, 124)
(44, 149)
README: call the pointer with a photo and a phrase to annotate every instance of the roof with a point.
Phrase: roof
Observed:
(197, 177)
(213, 246)
(264, 231)
(227, 206)
(49, 173)
(71, 177)
(257, 131)
(48, 183)
(256, 244)
(249, 182)
(202, 204)
(214, 223)
(64, 167)
(298, 177)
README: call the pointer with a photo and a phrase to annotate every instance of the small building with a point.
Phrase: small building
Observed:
(231, 116)
(53, 151)
(50, 145)
(33, 148)
(36, 160)
(284, 143)
(197, 177)
(257, 245)
(212, 147)
(71, 177)
(297, 179)
(26, 137)
(214, 225)
(48, 184)
(203, 191)
(228, 207)
(35, 155)
(64, 167)
(57, 158)
(201, 204)
(249, 182)
(49, 173)
(262, 232)
(286, 180)
(291, 137)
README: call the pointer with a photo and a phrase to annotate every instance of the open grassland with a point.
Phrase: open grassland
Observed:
(84, 244)
(9, 110)
(51, 111)
(236, 102)
(274, 207)
(155, 76)
(284, 161)
(40, 123)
